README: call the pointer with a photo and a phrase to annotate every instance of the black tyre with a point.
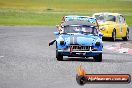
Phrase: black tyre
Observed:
(126, 38)
(81, 80)
(59, 56)
(113, 35)
(98, 58)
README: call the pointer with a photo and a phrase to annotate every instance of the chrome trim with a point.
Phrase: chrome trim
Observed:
(80, 51)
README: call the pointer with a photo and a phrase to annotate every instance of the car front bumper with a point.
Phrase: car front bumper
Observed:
(79, 53)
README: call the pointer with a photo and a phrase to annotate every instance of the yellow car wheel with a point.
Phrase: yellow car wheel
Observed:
(114, 35)
(126, 38)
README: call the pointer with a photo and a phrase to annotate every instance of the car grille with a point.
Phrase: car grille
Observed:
(79, 48)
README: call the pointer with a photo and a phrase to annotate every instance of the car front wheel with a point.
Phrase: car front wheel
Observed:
(98, 58)
(59, 56)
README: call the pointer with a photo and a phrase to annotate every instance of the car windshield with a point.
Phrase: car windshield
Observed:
(80, 29)
(80, 18)
(105, 17)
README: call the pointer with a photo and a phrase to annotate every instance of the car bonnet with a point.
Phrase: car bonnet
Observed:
(86, 40)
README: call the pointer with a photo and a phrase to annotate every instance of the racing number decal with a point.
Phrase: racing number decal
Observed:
(120, 23)
(73, 40)
(120, 27)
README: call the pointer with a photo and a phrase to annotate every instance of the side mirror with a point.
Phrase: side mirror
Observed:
(52, 42)
(56, 33)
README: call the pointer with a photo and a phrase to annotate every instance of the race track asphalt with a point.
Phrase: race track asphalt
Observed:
(26, 61)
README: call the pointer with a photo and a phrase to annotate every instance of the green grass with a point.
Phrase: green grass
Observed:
(50, 12)
(15, 17)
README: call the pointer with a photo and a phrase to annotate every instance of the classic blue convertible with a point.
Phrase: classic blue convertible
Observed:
(78, 39)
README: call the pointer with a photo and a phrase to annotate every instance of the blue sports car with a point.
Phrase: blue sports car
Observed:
(78, 39)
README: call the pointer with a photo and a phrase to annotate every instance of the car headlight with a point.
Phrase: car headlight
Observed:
(97, 43)
(62, 42)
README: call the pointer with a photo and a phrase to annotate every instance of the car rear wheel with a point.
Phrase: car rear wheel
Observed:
(98, 58)
(126, 38)
(114, 35)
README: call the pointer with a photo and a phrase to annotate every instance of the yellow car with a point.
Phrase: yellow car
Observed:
(112, 25)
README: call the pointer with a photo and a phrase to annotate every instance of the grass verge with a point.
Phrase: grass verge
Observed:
(43, 12)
